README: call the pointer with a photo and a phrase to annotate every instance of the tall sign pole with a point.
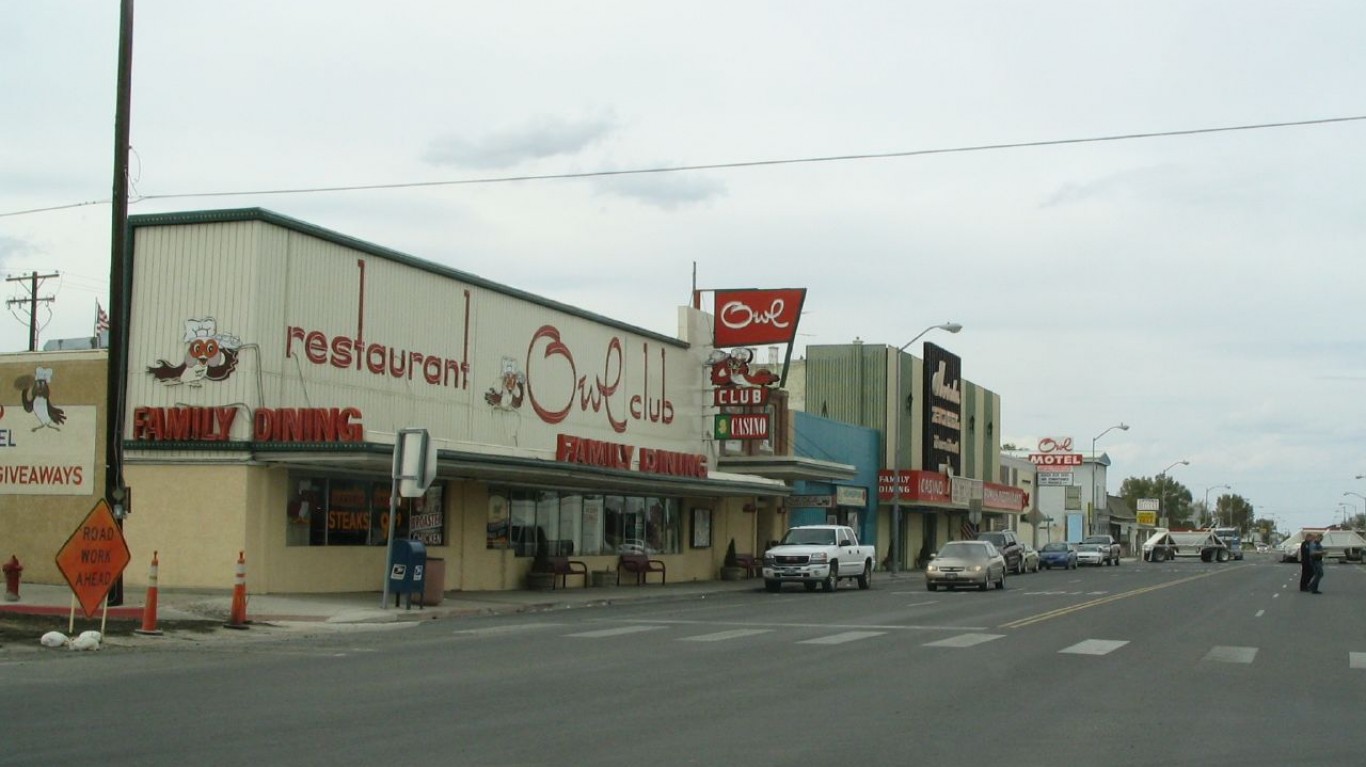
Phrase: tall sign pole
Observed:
(114, 489)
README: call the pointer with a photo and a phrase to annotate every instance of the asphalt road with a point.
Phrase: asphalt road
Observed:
(1176, 663)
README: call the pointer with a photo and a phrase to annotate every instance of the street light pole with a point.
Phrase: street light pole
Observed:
(1095, 468)
(1363, 501)
(1162, 488)
(894, 416)
(1214, 518)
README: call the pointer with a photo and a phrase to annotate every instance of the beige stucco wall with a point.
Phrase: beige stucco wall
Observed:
(199, 517)
(34, 525)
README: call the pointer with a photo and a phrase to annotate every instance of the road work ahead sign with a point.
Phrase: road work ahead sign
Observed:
(94, 557)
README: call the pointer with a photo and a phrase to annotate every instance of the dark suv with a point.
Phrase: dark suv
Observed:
(1009, 545)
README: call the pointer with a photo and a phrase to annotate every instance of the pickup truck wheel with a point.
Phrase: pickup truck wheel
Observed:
(831, 580)
(773, 587)
(866, 579)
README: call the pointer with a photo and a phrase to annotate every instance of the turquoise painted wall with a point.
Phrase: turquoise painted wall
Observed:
(828, 440)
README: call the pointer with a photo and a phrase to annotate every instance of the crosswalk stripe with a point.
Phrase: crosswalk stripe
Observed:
(964, 640)
(616, 631)
(1094, 647)
(847, 636)
(1221, 654)
(1356, 660)
(495, 630)
(721, 636)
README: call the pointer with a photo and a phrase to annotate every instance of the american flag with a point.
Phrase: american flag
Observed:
(101, 319)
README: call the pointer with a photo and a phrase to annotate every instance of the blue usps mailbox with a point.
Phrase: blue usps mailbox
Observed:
(409, 565)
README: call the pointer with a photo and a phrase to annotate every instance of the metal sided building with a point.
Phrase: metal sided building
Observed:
(271, 363)
(941, 442)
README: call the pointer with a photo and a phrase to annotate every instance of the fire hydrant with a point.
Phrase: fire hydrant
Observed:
(12, 570)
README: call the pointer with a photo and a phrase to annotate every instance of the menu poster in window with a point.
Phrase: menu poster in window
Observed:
(348, 514)
(701, 528)
(427, 520)
(500, 520)
(592, 524)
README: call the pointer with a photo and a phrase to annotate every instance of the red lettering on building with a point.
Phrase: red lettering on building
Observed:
(310, 424)
(613, 455)
(597, 395)
(183, 424)
(214, 424)
(345, 353)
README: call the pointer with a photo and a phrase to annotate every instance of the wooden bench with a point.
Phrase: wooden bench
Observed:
(753, 565)
(641, 565)
(563, 567)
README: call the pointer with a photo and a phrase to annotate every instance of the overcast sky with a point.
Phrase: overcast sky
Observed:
(1207, 290)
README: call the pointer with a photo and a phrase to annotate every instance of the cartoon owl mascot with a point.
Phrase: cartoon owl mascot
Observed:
(35, 393)
(209, 355)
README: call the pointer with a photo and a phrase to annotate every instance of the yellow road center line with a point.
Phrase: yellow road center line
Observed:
(1106, 600)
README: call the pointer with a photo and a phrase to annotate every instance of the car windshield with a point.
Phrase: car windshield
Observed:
(963, 551)
(817, 536)
(1089, 547)
(995, 538)
(1057, 546)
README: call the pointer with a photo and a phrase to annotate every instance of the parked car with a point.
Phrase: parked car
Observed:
(1031, 558)
(1090, 554)
(1008, 544)
(966, 563)
(1058, 554)
(1108, 545)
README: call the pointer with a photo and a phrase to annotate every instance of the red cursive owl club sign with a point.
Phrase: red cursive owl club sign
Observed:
(752, 317)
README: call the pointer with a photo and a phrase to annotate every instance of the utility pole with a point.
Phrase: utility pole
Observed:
(116, 492)
(33, 300)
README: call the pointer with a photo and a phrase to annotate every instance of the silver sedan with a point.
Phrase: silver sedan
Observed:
(966, 563)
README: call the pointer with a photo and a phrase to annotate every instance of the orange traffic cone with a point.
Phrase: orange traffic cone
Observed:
(149, 608)
(238, 618)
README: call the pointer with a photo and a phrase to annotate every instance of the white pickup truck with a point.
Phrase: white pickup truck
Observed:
(818, 555)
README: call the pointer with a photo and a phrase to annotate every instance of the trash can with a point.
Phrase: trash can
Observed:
(434, 579)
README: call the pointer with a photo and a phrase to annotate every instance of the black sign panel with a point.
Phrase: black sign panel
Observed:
(942, 417)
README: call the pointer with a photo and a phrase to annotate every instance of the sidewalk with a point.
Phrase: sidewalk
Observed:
(358, 607)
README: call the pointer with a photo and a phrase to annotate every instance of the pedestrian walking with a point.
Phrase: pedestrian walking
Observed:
(1306, 561)
(1316, 558)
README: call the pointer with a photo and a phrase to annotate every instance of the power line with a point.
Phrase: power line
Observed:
(716, 166)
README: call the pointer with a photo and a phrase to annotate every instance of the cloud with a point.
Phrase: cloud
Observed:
(663, 190)
(12, 248)
(542, 137)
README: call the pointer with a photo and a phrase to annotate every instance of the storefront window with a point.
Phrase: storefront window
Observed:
(326, 511)
(570, 524)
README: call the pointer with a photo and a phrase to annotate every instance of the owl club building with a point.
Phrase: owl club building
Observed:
(271, 365)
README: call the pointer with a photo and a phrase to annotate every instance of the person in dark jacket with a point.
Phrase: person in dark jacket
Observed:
(1316, 561)
(1306, 561)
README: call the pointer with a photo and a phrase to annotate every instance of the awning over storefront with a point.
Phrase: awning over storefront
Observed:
(452, 465)
(788, 468)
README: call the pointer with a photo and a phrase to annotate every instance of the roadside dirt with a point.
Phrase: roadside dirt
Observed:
(26, 629)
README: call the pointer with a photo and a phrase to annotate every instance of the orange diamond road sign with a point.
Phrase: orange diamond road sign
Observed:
(94, 557)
